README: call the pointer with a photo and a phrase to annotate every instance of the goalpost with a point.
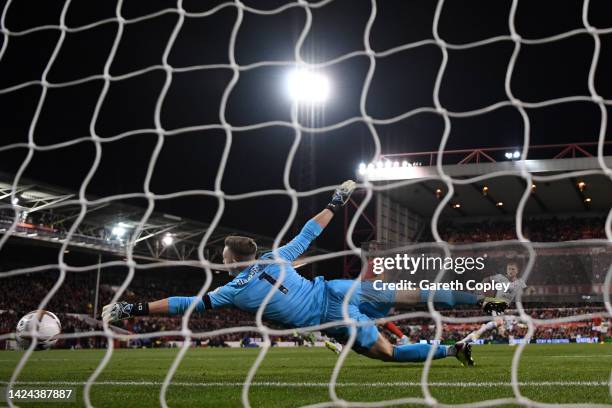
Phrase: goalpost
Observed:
(120, 22)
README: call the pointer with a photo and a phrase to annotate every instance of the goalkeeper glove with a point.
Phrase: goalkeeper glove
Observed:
(341, 195)
(124, 310)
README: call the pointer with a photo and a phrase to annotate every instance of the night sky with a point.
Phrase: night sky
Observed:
(473, 79)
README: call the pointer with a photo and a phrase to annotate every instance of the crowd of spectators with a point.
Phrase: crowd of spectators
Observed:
(452, 333)
(23, 293)
(423, 329)
(536, 229)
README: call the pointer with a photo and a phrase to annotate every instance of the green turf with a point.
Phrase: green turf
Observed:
(225, 369)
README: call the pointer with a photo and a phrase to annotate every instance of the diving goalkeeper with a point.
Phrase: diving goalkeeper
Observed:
(299, 302)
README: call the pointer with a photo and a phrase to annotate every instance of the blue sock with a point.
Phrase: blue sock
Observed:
(450, 298)
(415, 353)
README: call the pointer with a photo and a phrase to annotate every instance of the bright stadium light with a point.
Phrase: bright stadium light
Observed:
(119, 230)
(513, 155)
(167, 240)
(306, 86)
(15, 201)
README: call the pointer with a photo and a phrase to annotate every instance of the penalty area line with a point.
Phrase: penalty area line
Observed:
(321, 384)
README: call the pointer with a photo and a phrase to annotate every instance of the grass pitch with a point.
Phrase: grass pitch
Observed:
(570, 373)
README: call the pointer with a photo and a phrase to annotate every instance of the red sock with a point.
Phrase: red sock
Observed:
(392, 327)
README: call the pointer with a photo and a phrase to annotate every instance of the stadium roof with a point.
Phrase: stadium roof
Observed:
(500, 195)
(46, 214)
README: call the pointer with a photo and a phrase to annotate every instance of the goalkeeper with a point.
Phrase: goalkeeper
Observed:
(299, 302)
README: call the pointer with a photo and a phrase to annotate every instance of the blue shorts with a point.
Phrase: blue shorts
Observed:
(366, 305)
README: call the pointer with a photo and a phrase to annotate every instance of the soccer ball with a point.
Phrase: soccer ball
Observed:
(49, 327)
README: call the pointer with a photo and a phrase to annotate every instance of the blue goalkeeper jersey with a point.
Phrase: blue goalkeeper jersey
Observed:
(298, 302)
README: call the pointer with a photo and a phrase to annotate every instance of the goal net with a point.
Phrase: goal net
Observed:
(182, 20)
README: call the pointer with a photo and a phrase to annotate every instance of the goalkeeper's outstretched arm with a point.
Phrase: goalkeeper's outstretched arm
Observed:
(172, 306)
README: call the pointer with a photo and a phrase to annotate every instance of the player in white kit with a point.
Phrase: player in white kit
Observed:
(501, 322)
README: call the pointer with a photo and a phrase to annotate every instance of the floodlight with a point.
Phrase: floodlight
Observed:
(167, 240)
(15, 201)
(119, 231)
(516, 154)
(308, 86)
(508, 155)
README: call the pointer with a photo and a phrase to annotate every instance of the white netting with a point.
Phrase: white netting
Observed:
(236, 69)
